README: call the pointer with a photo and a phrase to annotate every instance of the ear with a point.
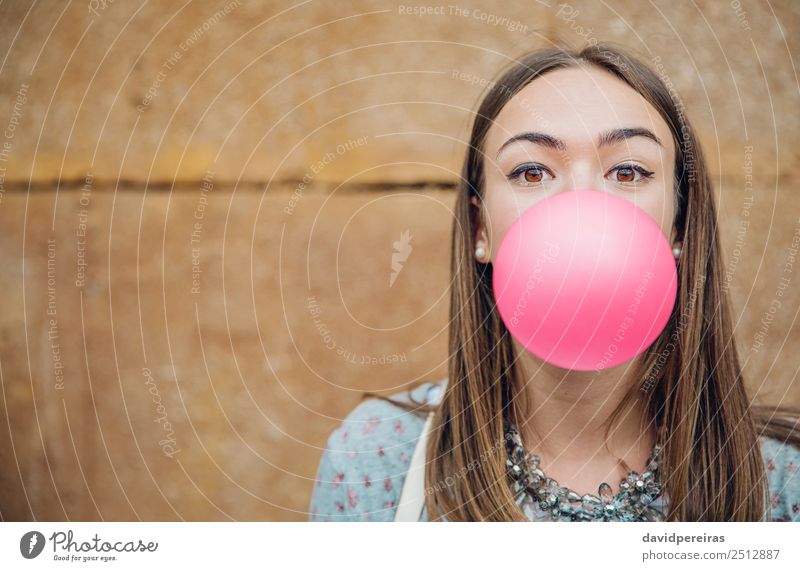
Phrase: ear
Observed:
(673, 240)
(480, 228)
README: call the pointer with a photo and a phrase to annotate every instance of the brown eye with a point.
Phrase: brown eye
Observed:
(530, 174)
(626, 174)
(630, 174)
(533, 174)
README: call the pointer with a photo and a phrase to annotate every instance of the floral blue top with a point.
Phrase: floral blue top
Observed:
(362, 470)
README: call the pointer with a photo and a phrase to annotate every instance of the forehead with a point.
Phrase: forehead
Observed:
(576, 104)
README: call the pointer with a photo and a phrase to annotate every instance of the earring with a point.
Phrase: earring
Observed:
(480, 252)
(676, 251)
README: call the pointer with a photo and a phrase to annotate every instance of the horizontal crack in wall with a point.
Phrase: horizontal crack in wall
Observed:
(246, 185)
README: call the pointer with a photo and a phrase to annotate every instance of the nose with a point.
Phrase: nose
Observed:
(580, 176)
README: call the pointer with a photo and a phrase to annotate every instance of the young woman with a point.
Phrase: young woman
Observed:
(671, 435)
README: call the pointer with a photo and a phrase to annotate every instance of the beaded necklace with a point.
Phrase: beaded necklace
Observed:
(632, 503)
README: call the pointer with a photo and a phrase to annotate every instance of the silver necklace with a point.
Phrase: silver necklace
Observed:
(633, 502)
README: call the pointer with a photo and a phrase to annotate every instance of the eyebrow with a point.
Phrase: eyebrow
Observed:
(610, 137)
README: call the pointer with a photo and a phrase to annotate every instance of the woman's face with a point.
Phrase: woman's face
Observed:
(575, 128)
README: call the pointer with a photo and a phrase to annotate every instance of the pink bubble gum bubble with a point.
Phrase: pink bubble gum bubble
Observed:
(585, 280)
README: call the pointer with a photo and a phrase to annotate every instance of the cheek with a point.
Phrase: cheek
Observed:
(660, 207)
(502, 210)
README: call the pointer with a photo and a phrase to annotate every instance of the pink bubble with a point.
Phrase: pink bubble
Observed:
(585, 280)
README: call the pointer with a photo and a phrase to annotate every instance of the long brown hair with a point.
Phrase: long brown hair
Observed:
(691, 379)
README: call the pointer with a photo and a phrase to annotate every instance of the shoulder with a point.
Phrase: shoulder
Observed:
(364, 464)
(782, 463)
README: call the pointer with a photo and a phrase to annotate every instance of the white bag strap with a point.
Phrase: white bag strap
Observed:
(412, 497)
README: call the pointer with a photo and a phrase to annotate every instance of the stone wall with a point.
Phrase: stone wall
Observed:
(199, 204)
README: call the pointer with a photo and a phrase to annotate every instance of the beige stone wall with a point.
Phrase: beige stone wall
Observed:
(369, 103)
